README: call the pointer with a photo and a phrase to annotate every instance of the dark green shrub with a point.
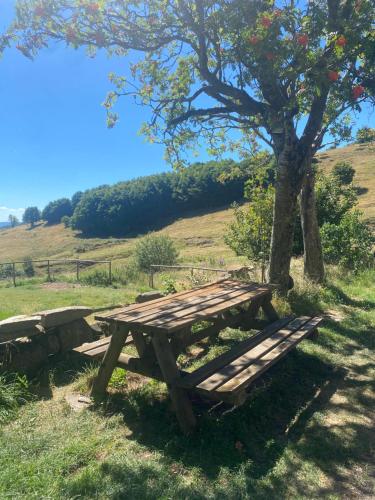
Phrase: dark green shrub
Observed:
(343, 172)
(348, 243)
(28, 268)
(66, 221)
(155, 249)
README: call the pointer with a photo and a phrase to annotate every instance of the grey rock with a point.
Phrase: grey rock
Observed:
(63, 315)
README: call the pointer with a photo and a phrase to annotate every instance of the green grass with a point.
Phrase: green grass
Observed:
(306, 432)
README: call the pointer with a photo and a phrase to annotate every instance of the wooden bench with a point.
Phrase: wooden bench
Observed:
(97, 349)
(227, 377)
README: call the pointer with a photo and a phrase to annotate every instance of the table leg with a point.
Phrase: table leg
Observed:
(180, 399)
(108, 364)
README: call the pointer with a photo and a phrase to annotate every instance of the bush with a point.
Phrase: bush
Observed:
(250, 233)
(365, 134)
(348, 243)
(343, 172)
(67, 221)
(154, 249)
(28, 268)
(31, 215)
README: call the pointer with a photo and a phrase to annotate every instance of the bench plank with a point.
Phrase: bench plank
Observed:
(245, 377)
(98, 348)
(230, 370)
(201, 373)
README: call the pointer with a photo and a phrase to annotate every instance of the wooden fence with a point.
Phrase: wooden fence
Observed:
(50, 262)
(154, 268)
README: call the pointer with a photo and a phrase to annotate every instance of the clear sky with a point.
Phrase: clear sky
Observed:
(54, 140)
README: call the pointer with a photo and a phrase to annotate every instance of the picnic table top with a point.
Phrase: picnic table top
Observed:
(177, 311)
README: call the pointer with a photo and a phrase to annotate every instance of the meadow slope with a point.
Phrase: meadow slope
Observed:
(193, 233)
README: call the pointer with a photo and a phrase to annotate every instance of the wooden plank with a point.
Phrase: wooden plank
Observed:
(194, 378)
(245, 377)
(95, 349)
(230, 370)
(207, 312)
(167, 309)
(164, 300)
(199, 304)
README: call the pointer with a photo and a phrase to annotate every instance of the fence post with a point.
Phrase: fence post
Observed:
(110, 272)
(151, 278)
(14, 274)
(48, 271)
(77, 270)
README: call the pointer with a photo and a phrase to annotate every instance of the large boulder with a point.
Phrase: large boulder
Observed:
(19, 326)
(63, 315)
(74, 334)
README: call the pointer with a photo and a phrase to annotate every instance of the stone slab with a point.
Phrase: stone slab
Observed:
(17, 324)
(63, 315)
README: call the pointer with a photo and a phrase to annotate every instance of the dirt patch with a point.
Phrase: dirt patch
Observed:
(60, 286)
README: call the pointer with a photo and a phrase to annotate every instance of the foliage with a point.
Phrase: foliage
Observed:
(28, 268)
(56, 210)
(96, 278)
(145, 202)
(250, 232)
(13, 220)
(348, 243)
(343, 172)
(365, 134)
(6, 271)
(67, 221)
(31, 215)
(262, 66)
(76, 198)
(14, 392)
(155, 249)
(168, 284)
(333, 198)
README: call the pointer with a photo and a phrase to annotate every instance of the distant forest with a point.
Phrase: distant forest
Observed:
(148, 202)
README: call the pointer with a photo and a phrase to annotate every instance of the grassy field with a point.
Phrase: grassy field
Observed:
(199, 236)
(306, 432)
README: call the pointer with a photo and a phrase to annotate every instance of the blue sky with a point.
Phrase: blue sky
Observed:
(54, 139)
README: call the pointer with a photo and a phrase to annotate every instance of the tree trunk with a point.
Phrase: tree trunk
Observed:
(313, 255)
(284, 214)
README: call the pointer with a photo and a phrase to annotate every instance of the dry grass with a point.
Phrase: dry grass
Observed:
(200, 237)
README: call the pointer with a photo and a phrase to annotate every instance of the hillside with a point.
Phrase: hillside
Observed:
(193, 233)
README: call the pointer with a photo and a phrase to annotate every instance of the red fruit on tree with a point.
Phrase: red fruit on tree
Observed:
(266, 22)
(270, 56)
(333, 76)
(253, 39)
(357, 91)
(92, 8)
(341, 41)
(302, 39)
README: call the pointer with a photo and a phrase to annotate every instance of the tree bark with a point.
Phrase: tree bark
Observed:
(284, 214)
(313, 255)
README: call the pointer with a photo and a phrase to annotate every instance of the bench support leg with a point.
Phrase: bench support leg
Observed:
(180, 399)
(110, 359)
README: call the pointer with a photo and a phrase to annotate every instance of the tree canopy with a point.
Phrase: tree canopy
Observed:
(212, 65)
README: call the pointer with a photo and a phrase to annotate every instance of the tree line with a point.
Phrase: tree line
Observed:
(145, 202)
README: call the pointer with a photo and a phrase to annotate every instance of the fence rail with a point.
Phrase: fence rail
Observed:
(50, 262)
(155, 267)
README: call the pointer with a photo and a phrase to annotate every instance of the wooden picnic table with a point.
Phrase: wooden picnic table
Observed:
(161, 329)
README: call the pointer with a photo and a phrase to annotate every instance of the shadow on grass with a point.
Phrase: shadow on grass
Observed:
(255, 433)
